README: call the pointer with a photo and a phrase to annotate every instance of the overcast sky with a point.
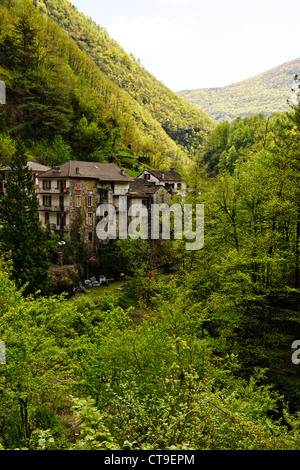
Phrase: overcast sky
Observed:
(188, 44)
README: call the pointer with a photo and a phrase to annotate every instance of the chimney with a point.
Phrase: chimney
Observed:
(162, 175)
(122, 171)
(77, 171)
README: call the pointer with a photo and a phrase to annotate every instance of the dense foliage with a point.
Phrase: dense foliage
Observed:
(184, 123)
(21, 232)
(90, 373)
(64, 103)
(195, 356)
(198, 357)
(266, 93)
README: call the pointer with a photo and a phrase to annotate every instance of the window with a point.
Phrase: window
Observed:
(61, 185)
(103, 196)
(61, 221)
(90, 237)
(147, 176)
(47, 201)
(90, 201)
(47, 218)
(90, 218)
(90, 185)
(78, 185)
(78, 201)
(46, 184)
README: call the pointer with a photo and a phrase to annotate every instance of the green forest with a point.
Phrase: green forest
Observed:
(267, 93)
(63, 105)
(197, 357)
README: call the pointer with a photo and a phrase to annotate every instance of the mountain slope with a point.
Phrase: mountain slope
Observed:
(63, 105)
(265, 93)
(182, 122)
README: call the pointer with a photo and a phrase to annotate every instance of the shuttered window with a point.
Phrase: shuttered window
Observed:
(77, 201)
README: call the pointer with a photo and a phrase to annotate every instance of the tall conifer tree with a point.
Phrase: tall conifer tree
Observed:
(21, 232)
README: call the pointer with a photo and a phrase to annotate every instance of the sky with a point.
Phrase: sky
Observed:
(190, 44)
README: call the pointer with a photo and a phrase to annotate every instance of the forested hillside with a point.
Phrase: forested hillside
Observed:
(265, 93)
(186, 125)
(64, 102)
(199, 357)
(184, 350)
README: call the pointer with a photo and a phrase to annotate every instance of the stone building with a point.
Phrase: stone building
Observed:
(69, 195)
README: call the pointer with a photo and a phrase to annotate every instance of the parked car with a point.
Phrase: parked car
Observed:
(103, 280)
(79, 290)
(93, 282)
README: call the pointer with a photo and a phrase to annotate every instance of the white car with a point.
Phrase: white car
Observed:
(103, 280)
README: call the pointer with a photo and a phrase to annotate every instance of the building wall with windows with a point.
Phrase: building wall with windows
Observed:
(84, 200)
(170, 179)
(70, 194)
(54, 203)
(72, 203)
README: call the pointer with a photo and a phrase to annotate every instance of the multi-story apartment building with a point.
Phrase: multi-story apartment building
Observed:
(69, 195)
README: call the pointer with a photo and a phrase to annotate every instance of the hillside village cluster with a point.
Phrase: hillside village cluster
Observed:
(70, 193)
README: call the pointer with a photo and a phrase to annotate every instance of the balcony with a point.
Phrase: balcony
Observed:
(54, 208)
(59, 228)
(104, 186)
(53, 190)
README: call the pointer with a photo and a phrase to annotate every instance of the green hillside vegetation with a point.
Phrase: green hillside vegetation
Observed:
(265, 93)
(62, 106)
(231, 143)
(197, 358)
(186, 125)
(201, 354)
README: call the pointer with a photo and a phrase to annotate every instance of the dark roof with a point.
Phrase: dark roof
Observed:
(166, 175)
(141, 188)
(37, 167)
(91, 170)
(34, 166)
